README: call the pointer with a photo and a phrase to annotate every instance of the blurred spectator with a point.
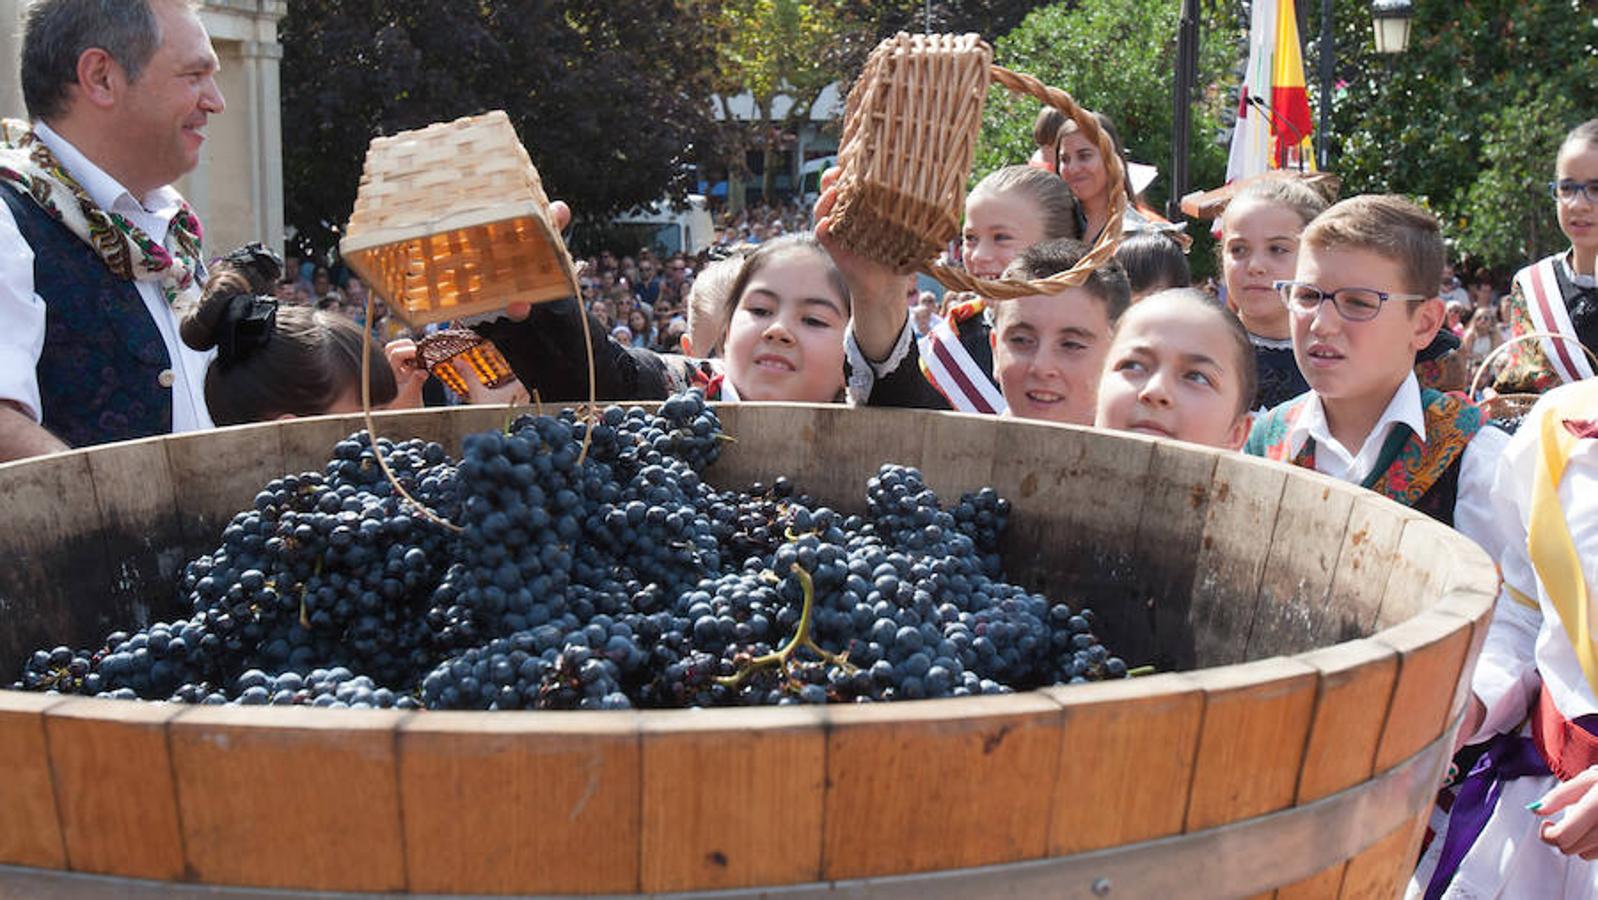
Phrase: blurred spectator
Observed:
(1450, 289)
(643, 332)
(924, 314)
(707, 307)
(322, 286)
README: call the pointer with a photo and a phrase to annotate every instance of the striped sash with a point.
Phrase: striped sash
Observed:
(950, 369)
(1545, 304)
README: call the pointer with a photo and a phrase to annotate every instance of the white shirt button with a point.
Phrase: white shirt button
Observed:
(167, 378)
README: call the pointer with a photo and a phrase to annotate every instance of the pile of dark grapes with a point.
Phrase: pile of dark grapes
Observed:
(608, 577)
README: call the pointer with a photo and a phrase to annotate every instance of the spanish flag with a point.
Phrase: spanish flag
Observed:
(1292, 120)
(1273, 119)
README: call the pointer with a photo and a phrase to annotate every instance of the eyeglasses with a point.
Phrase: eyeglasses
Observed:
(1568, 191)
(1354, 304)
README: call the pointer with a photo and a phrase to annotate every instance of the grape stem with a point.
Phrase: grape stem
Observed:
(779, 659)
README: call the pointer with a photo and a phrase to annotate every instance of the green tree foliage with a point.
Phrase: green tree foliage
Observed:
(1506, 216)
(1468, 119)
(790, 48)
(990, 18)
(608, 95)
(1118, 57)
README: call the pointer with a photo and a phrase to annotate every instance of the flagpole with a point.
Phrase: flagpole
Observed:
(1182, 105)
(1328, 49)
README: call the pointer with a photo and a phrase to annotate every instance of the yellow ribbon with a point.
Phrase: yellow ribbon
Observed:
(1549, 544)
(1522, 599)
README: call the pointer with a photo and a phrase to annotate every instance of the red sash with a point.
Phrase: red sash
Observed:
(1566, 747)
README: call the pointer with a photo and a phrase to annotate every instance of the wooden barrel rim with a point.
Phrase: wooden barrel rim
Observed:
(1417, 659)
(1240, 859)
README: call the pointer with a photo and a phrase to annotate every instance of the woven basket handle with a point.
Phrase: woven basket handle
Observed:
(1487, 361)
(1109, 239)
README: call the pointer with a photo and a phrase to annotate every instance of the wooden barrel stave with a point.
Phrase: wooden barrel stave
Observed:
(1293, 611)
(930, 786)
(112, 769)
(1355, 690)
(30, 831)
(546, 789)
(1170, 532)
(1127, 748)
(733, 801)
(1251, 746)
(321, 809)
(1238, 530)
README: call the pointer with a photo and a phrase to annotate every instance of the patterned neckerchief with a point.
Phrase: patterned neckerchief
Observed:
(28, 167)
(1407, 467)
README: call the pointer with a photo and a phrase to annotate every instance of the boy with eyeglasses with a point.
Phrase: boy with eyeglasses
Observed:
(1557, 297)
(1362, 303)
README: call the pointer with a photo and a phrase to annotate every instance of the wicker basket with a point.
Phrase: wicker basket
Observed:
(910, 130)
(1513, 406)
(451, 221)
(436, 353)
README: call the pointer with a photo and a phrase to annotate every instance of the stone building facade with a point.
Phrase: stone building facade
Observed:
(238, 187)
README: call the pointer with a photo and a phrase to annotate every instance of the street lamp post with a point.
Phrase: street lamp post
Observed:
(1391, 20)
(1182, 105)
(1328, 52)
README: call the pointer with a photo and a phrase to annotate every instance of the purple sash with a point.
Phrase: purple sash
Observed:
(1508, 756)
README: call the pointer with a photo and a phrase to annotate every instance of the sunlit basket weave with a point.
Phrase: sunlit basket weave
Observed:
(451, 220)
(436, 352)
(910, 131)
(1513, 406)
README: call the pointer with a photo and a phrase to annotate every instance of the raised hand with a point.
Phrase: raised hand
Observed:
(876, 290)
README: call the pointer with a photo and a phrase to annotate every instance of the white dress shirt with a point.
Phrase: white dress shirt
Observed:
(22, 312)
(1526, 646)
(1473, 510)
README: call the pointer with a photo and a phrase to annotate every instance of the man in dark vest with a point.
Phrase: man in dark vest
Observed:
(99, 255)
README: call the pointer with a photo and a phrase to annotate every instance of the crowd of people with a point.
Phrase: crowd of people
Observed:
(1338, 339)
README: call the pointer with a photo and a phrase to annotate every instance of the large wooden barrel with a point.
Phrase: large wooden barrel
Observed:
(1316, 640)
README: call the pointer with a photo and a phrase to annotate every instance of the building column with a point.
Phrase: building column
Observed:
(263, 61)
(11, 105)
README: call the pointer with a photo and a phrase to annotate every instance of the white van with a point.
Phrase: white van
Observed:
(669, 227)
(810, 178)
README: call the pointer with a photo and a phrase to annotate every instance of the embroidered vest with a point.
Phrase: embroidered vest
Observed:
(103, 356)
(1421, 475)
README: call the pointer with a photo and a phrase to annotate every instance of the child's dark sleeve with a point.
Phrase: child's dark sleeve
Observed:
(897, 381)
(906, 386)
(546, 352)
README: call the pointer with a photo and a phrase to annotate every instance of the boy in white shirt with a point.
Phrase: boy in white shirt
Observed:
(1363, 302)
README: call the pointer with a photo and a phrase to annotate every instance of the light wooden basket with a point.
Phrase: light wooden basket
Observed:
(437, 351)
(451, 220)
(910, 130)
(1512, 406)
